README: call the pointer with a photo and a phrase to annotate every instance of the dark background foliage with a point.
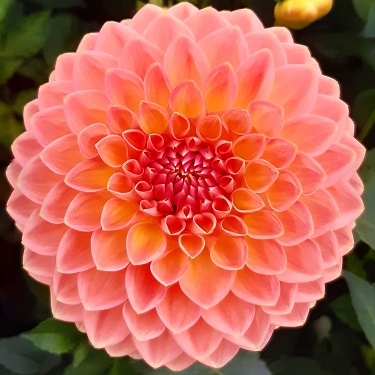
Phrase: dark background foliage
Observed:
(339, 337)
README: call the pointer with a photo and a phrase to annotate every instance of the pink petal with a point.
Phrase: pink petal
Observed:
(323, 209)
(90, 69)
(62, 154)
(85, 107)
(334, 272)
(88, 42)
(237, 121)
(144, 291)
(234, 260)
(266, 118)
(74, 252)
(182, 11)
(101, 290)
(285, 303)
(260, 175)
(297, 317)
(109, 250)
(112, 150)
(249, 147)
(142, 19)
(36, 180)
(65, 288)
(84, 211)
(304, 263)
(297, 222)
(25, 147)
(170, 267)
(222, 355)
(121, 119)
(144, 326)
(116, 80)
(177, 311)
(205, 283)
(125, 347)
(41, 236)
(282, 34)
(12, 173)
(310, 291)
(41, 267)
(329, 248)
(53, 93)
(329, 86)
(255, 78)
(224, 45)
(163, 29)
(160, 350)
(200, 340)
(145, 242)
(29, 111)
(280, 153)
(183, 361)
(153, 119)
(191, 244)
(312, 134)
(106, 327)
(64, 67)
(345, 239)
(295, 88)
(266, 293)
(54, 207)
(186, 99)
(157, 85)
(245, 19)
(266, 257)
(65, 312)
(263, 225)
(88, 138)
(232, 321)
(309, 173)
(90, 175)
(284, 192)
(297, 54)
(184, 61)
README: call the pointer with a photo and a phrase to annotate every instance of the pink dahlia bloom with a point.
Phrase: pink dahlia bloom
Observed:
(185, 185)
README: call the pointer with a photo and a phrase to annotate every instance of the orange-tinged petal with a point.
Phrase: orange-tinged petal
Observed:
(90, 175)
(74, 252)
(255, 288)
(304, 263)
(177, 311)
(220, 88)
(65, 288)
(266, 257)
(229, 252)
(260, 175)
(84, 211)
(144, 326)
(295, 318)
(263, 225)
(65, 312)
(144, 291)
(200, 340)
(170, 267)
(135, 139)
(117, 213)
(41, 236)
(184, 61)
(145, 242)
(109, 250)
(249, 147)
(255, 78)
(237, 121)
(106, 327)
(153, 119)
(310, 291)
(116, 80)
(245, 201)
(329, 248)
(205, 283)
(62, 154)
(101, 290)
(157, 85)
(234, 226)
(285, 303)
(186, 99)
(280, 152)
(210, 128)
(204, 223)
(41, 267)
(120, 119)
(231, 316)
(266, 118)
(88, 138)
(112, 150)
(53, 93)
(222, 354)
(191, 244)
(25, 147)
(179, 125)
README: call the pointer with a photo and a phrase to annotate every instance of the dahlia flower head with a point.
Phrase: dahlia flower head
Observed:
(186, 184)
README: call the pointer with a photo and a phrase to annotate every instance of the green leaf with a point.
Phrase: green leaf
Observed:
(362, 7)
(54, 336)
(10, 127)
(4, 7)
(245, 363)
(22, 357)
(27, 36)
(65, 31)
(343, 308)
(80, 353)
(366, 223)
(369, 30)
(8, 67)
(363, 298)
(297, 365)
(36, 69)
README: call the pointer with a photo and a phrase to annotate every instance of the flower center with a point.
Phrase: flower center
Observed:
(184, 175)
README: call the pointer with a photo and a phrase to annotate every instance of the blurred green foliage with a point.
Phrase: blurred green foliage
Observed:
(339, 337)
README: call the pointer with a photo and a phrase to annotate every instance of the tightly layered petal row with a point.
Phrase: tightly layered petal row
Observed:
(185, 185)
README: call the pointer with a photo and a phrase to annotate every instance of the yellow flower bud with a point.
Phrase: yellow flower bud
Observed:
(297, 14)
